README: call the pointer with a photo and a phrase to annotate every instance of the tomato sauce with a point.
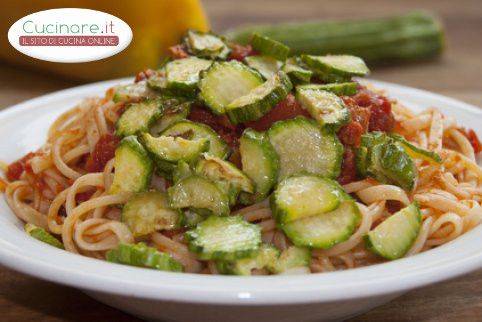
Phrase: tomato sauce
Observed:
(381, 116)
(284, 110)
(473, 139)
(104, 151)
(178, 52)
(348, 166)
(15, 169)
(239, 52)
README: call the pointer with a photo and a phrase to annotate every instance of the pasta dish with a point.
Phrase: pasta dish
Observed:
(244, 160)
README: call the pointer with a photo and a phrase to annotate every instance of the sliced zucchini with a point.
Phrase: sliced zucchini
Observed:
(326, 229)
(265, 65)
(270, 47)
(340, 89)
(294, 260)
(336, 68)
(260, 100)
(138, 117)
(138, 90)
(167, 151)
(191, 131)
(191, 218)
(170, 115)
(42, 235)
(260, 163)
(199, 193)
(206, 45)
(265, 258)
(325, 107)
(217, 170)
(384, 159)
(148, 212)
(303, 196)
(303, 147)
(133, 167)
(224, 238)
(182, 170)
(143, 256)
(182, 75)
(224, 82)
(394, 237)
(296, 72)
(416, 152)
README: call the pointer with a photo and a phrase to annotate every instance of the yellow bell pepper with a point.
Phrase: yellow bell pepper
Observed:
(156, 25)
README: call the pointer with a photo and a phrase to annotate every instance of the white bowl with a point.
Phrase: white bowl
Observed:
(189, 297)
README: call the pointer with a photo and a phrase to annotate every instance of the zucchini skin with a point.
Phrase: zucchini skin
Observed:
(335, 166)
(119, 183)
(231, 72)
(301, 237)
(42, 235)
(143, 256)
(280, 208)
(182, 195)
(340, 89)
(246, 235)
(264, 183)
(409, 37)
(123, 128)
(270, 47)
(148, 212)
(217, 146)
(374, 244)
(262, 105)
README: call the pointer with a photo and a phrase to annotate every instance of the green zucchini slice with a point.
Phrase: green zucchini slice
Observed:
(336, 68)
(303, 147)
(265, 65)
(325, 107)
(224, 82)
(386, 160)
(303, 196)
(296, 72)
(217, 170)
(224, 238)
(394, 237)
(167, 151)
(294, 260)
(206, 45)
(141, 255)
(260, 163)
(340, 89)
(182, 75)
(170, 115)
(133, 167)
(270, 47)
(199, 193)
(42, 235)
(138, 90)
(138, 117)
(148, 212)
(265, 258)
(326, 229)
(192, 130)
(416, 152)
(260, 100)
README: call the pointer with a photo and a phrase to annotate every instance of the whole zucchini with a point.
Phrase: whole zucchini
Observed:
(413, 36)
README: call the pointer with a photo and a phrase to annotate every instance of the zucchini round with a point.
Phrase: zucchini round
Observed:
(224, 238)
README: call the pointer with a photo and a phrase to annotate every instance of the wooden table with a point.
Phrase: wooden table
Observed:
(457, 74)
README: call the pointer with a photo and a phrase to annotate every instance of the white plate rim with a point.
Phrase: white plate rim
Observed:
(24, 254)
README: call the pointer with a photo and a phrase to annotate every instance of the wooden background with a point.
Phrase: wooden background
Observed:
(456, 74)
